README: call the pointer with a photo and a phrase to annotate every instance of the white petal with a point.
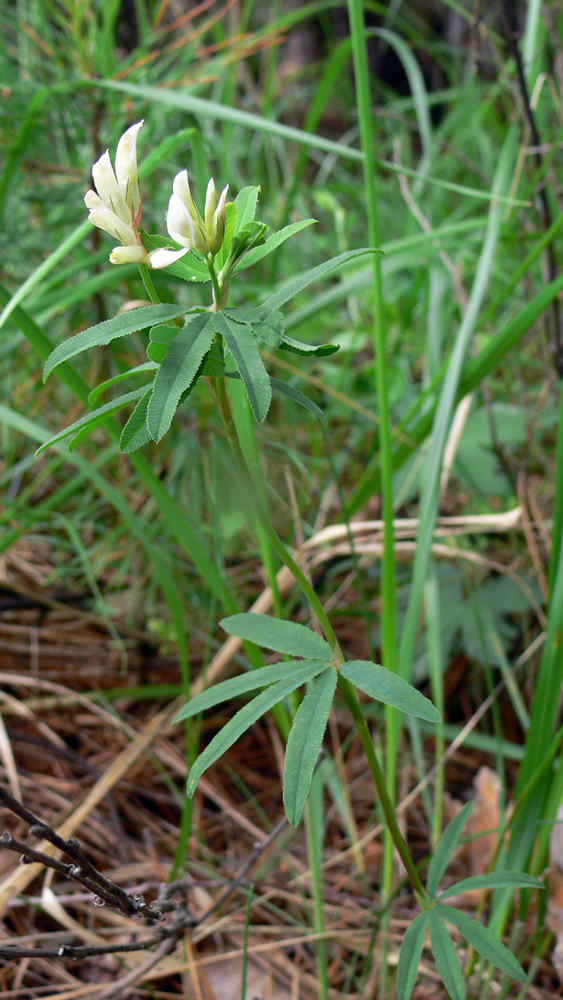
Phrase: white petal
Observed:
(105, 219)
(163, 258)
(211, 198)
(181, 188)
(109, 190)
(180, 223)
(126, 167)
(129, 255)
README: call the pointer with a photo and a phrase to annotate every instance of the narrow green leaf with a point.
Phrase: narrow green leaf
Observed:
(304, 742)
(284, 637)
(91, 420)
(103, 333)
(446, 958)
(245, 718)
(387, 687)
(266, 323)
(246, 202)
(298, 397)
(409, 956)
(272, 243)
(493, 880)
(296, 285)
(307, 350)
(484, 941)
(178, 371)
(135, 433)
(97, 391)
(446, 847)
(243, 683)
(243, 347)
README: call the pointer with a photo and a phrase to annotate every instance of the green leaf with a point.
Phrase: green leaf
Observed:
(284, 637)
(246, 202)
(103, 333)
(272, 243)
(307, 350)
(298, 397)
(409, 956)
(244, 240)
(304, 742)
(484, 941)
(298, 284)
(178, 371)
(245, 718)
(97, 391)
(236, 686)
(266, 323)
(135, 433)
(91, 420)
(446, 958)
(493, 880)
(387, 687)
(446, 847)
(190, 267)
(244, 351)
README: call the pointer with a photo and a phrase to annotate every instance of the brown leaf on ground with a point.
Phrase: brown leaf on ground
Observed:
(482, 827)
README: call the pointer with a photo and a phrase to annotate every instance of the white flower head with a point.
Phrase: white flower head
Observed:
(185, 223)
(115, 206)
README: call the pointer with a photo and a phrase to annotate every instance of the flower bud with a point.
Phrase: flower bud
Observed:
(129, 255)
(216, 231)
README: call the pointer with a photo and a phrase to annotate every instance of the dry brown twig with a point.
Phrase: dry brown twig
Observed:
(108, 892)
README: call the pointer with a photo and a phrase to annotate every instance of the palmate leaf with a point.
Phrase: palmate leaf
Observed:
(409, 956)
(94, 419)
(493, 880)
(247, 716)
(447, 961)
(235, 686)
(297, 284)
(446, 847)
(271, 244)
(387, 687)
(103, 333)
(282, 636)
(304, 742)
(484, 941)
(243, 347)
(178, 370)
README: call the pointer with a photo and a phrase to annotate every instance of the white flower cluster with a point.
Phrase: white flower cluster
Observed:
(116, 207)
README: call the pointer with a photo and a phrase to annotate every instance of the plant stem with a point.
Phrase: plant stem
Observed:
(346, 688)
(148, 283)
(355, 707)
(265, 523)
